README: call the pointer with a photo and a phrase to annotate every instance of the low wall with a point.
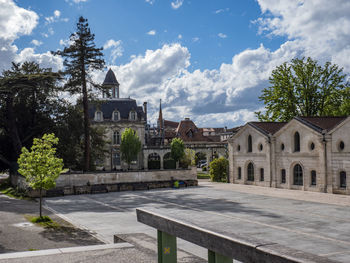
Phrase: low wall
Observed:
(90, 183)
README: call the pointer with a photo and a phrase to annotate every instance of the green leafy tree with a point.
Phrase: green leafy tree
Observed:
(304, 88)
(40, 166)
(130, 146)
(218, 169)
(81, 58)
(188, 159)
(177, 149)
(28, 106)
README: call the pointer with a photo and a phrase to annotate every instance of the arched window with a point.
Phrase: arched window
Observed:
(115, 116)
(116, 137)
(98, 116)
(296, 142)
(313, 177)
(261, 174)
(342, 178)
(250, 146)
(250, 170)
(298, 175)
(132, 115)
(283, 176)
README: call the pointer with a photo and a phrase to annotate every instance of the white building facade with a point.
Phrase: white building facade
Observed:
(307, 153)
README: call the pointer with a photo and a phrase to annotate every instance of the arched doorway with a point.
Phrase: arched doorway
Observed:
(154, 161)
(168, 162)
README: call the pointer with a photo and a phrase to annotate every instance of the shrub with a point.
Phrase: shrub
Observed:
(218, 170)
(204, 168)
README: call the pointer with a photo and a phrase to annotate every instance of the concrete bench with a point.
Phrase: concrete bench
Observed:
(221, 248)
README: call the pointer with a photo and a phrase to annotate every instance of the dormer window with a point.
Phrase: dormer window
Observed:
(98, 116)
(115, 116)
(190, 134)
(132, 115)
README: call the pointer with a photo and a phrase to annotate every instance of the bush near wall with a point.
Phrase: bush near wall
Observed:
(218, 170)
(169, 164)
(153, 165)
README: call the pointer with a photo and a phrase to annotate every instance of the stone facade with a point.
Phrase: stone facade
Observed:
(307, 153)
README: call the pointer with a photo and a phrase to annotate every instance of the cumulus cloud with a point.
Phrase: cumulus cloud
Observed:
(46, 60)
(116, 49)
(36, 42)
(177, 4)
(14, 22)
(151, 32)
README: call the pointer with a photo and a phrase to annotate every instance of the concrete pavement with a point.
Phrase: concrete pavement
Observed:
(312, 222)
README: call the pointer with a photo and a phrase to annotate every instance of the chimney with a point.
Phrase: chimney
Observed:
(145, 109)
(187, 119)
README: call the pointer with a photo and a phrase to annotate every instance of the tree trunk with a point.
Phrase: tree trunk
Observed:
(40, 203)
(86, 124)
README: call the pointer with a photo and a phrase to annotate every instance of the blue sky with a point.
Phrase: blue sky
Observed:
(207, 60)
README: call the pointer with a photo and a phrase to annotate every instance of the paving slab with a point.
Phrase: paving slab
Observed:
(314, 223)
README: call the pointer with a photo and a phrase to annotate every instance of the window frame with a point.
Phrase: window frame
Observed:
(250, 172)
(313, 178)
(283, 176)
(250, 144)
(342, 179)
(296, 142)
(298, 175)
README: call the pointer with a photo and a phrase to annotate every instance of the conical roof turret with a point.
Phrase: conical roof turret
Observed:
(110, 78)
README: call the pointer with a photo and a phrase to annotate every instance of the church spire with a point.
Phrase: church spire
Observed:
(160, 116)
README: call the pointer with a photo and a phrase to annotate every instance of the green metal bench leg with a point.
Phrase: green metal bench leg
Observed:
(217, 258)
(167, 250)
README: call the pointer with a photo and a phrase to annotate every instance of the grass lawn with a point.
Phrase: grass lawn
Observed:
(7, 189)
(203, 176)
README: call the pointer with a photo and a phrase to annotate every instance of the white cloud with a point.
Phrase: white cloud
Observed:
(177, 4)
(46, 60)
(151, 32)
(222, 35)
(57, 13)
(55, 18)
(36, 42)
(116, 49)
(151, 2)
(179, 36)
(321, 27)
(14, 22)
(222, 10)
(195, 39)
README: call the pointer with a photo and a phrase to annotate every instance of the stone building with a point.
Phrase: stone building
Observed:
(114, 115)
(307, 153)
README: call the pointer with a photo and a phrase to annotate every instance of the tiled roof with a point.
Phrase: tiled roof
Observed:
(110, 78)
(124, 106)
(170, 124)
(189, 132)
(321, 123)
(268, 127)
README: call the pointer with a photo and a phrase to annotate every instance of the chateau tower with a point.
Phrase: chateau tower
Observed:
(111, 84)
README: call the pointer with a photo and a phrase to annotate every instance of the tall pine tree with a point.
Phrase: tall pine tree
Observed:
(82, 57)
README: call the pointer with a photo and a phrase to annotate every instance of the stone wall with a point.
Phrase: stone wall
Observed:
(90, 183)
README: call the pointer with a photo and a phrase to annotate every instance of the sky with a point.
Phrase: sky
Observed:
(206, 60)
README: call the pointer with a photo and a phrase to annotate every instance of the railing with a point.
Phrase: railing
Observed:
(221, 248)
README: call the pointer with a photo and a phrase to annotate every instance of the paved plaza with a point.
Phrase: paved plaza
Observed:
(312, 222)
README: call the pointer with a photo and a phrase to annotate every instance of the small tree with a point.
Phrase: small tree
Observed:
(188, 158)
(40, 166)
(130, 146)
(218, 169)
(177, 149)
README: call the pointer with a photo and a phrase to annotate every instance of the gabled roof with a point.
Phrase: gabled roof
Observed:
(267, 127)
(321, 123)
(110, 78)
(124, 106)
(170, 124)
(182, 131)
